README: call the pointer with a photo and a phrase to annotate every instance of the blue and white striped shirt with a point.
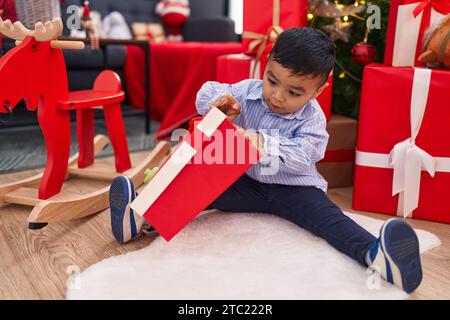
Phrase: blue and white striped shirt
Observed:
(293, 143)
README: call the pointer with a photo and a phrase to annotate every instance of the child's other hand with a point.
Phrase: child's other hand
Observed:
(149, 174)
(228, 105)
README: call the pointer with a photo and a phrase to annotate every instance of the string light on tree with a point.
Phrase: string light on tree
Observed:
(340, 28)
(346, 20)
(324, 8)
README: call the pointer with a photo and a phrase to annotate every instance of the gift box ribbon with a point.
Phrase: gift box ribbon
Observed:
(441, 6)
(255, 69)
(260, 41)
(406, 158)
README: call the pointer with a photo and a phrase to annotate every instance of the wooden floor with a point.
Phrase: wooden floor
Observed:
(38, 264)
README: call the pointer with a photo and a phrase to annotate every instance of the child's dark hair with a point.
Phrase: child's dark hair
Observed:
(305, 51)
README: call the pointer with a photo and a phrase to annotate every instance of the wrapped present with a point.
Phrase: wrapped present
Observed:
(208, 160)
(264, 20)
(402, 162)
(156, 33)
(148, 31)
(325, 99)
(338, 164)
(408, 21)
(232, 68)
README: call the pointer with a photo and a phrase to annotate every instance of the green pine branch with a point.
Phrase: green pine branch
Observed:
(347, 91)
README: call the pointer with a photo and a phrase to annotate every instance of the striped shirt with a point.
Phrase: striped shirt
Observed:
(293, 143)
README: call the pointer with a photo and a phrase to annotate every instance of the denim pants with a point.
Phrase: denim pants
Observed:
(306, 206)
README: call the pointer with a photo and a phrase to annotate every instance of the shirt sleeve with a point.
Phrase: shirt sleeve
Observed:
(300, 152)
(211, 91)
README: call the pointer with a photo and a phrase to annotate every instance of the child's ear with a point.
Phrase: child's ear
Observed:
(320, 89)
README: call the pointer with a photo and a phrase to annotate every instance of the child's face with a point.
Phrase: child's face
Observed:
(285, 92)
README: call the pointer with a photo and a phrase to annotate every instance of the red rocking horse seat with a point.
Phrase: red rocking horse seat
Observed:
(106, 94)
(107, 91)
(35, 71)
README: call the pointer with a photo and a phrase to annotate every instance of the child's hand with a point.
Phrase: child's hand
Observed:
(256, 139)
(228, 105)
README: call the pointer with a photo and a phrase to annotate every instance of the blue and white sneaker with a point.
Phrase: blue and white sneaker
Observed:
(125, 224)
(396, 256)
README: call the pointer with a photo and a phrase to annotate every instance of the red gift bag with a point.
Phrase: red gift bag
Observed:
(403, 150)
(209, 159)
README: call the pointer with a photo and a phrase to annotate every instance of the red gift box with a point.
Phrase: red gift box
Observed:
(325, 99)
(408, 21)
(261, 15)
(208, 160)
(402, 164)
(338, 164)
(232, 68)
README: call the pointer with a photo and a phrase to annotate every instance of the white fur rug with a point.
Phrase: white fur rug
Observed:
(238, 256)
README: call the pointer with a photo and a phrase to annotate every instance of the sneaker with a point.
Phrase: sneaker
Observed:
(125, 224)
(396, 256)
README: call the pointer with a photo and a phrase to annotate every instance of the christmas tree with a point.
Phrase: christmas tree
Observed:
(345, 22)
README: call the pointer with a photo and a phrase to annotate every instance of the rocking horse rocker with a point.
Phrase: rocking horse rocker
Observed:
(35, 71)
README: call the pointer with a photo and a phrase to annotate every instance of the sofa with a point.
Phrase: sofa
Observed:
(208, 22)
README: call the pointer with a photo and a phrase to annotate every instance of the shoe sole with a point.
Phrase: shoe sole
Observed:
(121, 194)
(400, 245)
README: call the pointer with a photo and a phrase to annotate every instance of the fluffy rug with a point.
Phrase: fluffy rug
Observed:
(238, 256)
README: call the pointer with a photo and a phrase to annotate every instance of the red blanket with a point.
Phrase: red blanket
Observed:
(177, 72)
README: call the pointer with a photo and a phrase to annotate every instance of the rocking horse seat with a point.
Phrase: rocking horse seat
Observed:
(91, 98)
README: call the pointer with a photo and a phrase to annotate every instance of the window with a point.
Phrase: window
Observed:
(236, 13)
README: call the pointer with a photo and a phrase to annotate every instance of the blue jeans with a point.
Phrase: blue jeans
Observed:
(306, 206)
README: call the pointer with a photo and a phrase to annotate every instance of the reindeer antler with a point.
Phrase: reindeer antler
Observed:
(17, 31)
(50, 31)
(42, 32)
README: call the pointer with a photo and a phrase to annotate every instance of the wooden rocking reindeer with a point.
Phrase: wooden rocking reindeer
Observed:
(35, 71)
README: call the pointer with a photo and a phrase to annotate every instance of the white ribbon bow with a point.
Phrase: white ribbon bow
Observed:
(407, 159)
